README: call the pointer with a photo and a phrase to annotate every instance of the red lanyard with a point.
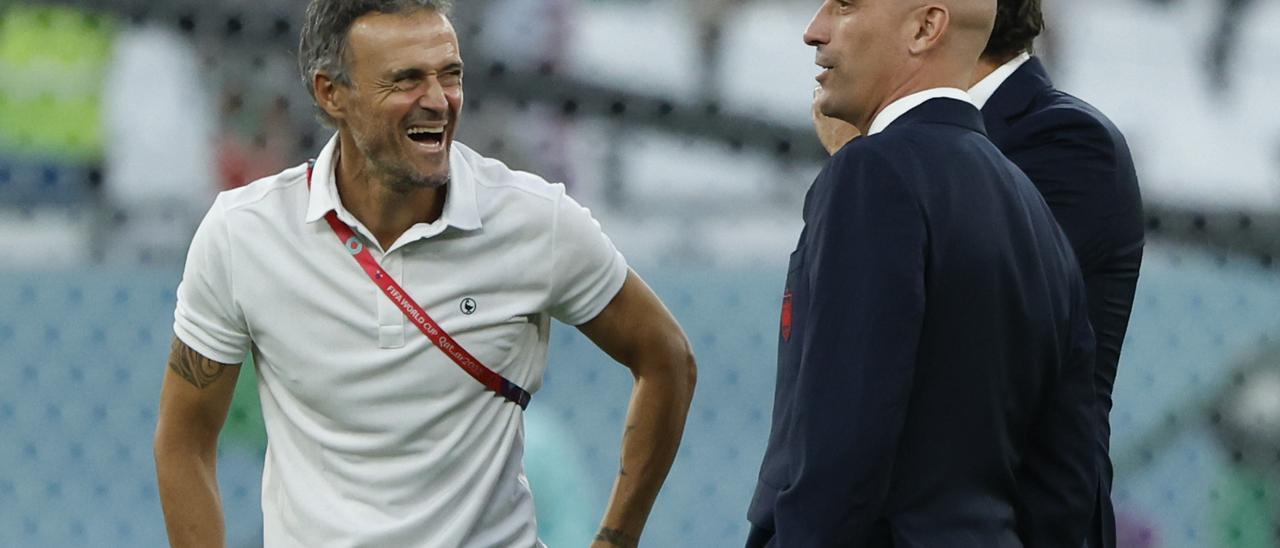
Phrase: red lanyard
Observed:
(491, 380)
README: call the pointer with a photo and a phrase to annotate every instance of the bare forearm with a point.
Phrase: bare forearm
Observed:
(639, 332)
(189, 495)
(193, 405)
(655, 424)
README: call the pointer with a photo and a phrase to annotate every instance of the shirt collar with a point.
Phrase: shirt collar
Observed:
(897, 108)
(460, 209)
(985, 88)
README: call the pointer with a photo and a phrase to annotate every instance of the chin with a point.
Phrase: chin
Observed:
(436, 181)
(439, 178)
(434, 178)
(828, 105)
(833, 111)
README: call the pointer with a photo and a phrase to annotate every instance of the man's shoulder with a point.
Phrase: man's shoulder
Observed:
(493, 177)
(888, 162)
(257, 194)
(904, 142)
(894, 146)
(1059, 112)
(913, 151)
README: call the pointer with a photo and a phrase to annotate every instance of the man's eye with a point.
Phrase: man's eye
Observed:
(450, 78)
(406, 84)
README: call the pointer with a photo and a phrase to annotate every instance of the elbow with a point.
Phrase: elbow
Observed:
(688, 368)
(670, 364)
(691, 373)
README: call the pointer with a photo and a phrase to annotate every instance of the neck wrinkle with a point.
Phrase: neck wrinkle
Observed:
(386, 211)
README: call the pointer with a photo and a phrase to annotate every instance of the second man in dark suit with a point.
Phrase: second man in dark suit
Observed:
(1082, 166)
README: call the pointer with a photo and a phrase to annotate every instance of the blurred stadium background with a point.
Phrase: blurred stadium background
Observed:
(684, 126)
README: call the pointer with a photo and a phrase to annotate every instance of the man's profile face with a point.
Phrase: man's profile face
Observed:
(858, 47)
(405, 97)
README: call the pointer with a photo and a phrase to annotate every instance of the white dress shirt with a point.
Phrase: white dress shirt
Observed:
(985, 88)
(904, 105)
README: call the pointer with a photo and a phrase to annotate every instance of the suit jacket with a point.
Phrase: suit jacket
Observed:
(1082, 166)
(935, 358)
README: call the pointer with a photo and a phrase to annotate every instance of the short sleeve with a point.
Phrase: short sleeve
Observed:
(207, 317)
(587, 270)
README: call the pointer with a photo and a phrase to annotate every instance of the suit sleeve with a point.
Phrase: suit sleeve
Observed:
(1072, 160)
(1085, 172)
(1058, 479)
(859, 351)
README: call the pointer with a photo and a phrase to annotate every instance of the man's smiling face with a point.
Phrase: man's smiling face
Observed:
(404, 99)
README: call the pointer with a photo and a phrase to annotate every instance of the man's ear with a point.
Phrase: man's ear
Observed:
(329, 95)
(931, 23)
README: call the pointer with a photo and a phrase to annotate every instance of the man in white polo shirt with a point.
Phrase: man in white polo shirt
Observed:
(380, 436)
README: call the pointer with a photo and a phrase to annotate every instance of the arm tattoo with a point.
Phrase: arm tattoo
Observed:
(198, 370)
(617, 538)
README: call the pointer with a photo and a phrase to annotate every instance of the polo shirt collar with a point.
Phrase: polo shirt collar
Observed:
(901, 106)
(460, 209)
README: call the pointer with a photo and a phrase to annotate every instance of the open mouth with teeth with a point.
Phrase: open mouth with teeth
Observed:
(426, 136)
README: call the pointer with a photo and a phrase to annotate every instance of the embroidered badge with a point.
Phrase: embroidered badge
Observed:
(786, 316)
(467, 306)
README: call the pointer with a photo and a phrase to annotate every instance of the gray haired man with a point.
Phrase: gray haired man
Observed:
(396, 296)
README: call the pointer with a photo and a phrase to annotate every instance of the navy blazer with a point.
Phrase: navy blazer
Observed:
(935, 359)
(1082, 166)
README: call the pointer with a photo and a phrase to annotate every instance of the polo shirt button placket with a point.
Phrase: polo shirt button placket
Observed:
(391, 321)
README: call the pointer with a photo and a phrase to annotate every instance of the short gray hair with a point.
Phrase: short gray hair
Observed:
(323, 47)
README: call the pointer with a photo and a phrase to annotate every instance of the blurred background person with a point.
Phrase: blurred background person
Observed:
(1220, 48)
(161, 163)
(1220, 60)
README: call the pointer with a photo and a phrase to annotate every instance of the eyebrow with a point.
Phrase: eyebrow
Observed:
(407, 74)
(411, 73)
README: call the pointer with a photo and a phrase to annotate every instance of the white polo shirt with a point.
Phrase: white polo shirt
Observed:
(376, 438)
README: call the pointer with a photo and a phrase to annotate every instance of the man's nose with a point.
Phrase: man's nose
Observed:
(433, 98)
(816, 33)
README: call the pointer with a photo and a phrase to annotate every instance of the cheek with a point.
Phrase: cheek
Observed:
(455, 100)
(397, 106)
(389, 115)
(368, 113)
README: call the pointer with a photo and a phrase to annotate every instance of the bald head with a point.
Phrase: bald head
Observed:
(877, 51)
(969, 29)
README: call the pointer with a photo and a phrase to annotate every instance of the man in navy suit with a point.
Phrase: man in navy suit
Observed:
(1082, 166)
(935, 358)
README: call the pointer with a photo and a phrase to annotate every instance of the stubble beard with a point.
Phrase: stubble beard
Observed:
(404, 181)
(396, 174)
